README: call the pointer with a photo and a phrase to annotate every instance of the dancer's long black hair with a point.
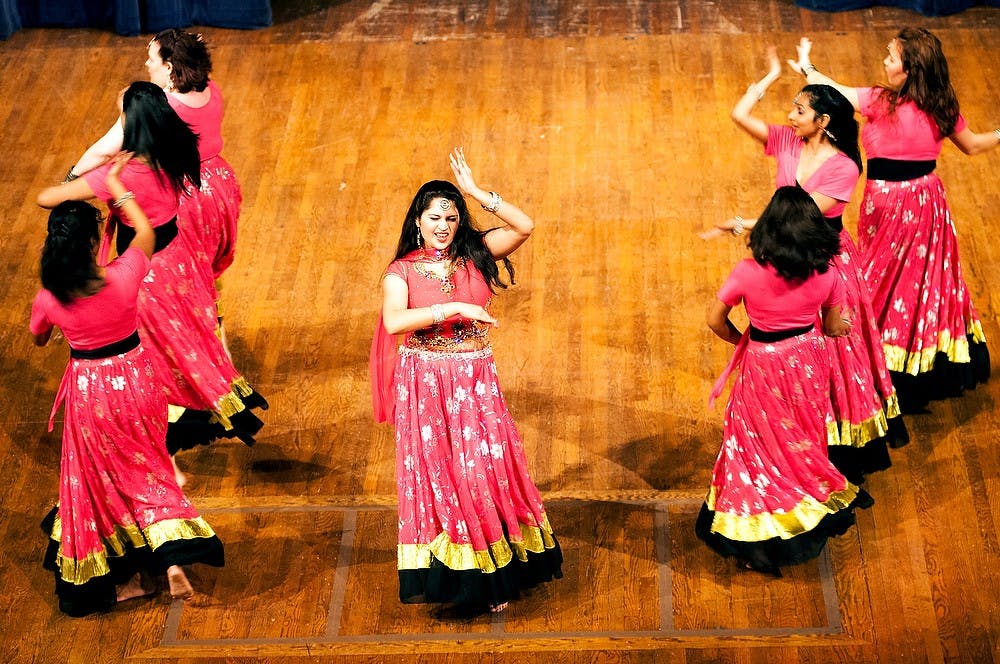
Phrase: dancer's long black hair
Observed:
(468, 242)
(842, 129)
(155, 132)
(792, 236)
(68, 268)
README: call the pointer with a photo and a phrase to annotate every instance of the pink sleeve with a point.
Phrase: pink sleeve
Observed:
(866, 99)
(40, 322)
(397, 268)
(132, 265)
(835, 297)
(95, 179)
(839, 179)
(732, 290)
(778, 137)
(960, 124)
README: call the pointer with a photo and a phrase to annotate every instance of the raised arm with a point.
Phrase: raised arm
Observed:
(124, 200)
(517, 228)
(742, 113)
(100, 152)
(805, 67)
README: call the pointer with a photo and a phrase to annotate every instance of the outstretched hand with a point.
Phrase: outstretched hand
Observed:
(722, 228)
(463, 174)
(773, 63)
(477, 312)
(804, 47)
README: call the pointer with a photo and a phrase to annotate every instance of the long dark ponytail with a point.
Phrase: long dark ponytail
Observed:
(154, 131)
(68, 268)
(842, 130)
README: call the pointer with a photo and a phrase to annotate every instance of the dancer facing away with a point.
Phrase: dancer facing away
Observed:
(818, 150)
(775, 496)
(121, 515)
(472, 528)
(176, 310)
(179, 62)
(934, 342)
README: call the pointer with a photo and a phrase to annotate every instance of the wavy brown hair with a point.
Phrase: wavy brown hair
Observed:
(927, 84)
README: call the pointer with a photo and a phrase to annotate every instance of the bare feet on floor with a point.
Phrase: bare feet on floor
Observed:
(179, 476)
(134, 588)
(180, 587)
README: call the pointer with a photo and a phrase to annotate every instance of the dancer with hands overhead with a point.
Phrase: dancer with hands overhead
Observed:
(933, 336)
(818, 150)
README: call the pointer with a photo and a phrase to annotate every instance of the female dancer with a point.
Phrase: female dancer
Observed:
(818, 151)
(934, 342)
(179, 62)
(775, 496)
(472, 527)
(176, 312)
(121, 514)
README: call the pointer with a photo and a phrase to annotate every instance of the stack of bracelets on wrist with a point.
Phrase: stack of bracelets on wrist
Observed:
(808, 69)
(738, 227)
(997, 133)
(437, 313)
(70, 175)
(122, 200)
(494, 204)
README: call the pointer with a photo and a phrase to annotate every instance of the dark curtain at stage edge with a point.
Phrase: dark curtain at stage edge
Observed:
(132, 17)
(925, 7)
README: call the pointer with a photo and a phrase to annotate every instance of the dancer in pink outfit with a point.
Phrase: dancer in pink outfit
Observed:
(818, 151)
(121, 514)
(775, 497)
(472, 527)
(176, 310)
(933, 337)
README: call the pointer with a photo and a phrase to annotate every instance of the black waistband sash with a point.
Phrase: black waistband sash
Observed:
(165, 233)
(112, 349)
(836, 223)
(778, 335)
(898, 170)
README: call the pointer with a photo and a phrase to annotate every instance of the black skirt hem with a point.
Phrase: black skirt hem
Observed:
(770, 555)
(945, 380)
(100, 593)
(195, 428)
(474, 588)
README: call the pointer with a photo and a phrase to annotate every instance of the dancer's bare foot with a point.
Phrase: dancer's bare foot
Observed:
(179, 476)
(134, 588)
(180, 587)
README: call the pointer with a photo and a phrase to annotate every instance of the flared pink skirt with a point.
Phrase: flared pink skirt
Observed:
(772, 477)
(911, 263)
(116, 485)
(466, 499)
(209, 216)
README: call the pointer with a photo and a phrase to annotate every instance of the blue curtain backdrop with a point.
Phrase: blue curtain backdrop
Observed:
(132, 17)
(925, 7)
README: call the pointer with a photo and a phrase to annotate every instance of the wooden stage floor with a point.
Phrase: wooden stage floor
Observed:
(609, 123)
